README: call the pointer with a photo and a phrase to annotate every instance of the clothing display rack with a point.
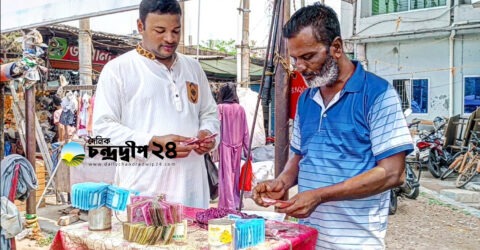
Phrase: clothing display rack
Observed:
(42, 145)
(72, 87)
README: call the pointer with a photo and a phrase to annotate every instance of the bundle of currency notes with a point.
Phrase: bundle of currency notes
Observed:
(154, 212)
(151, 235)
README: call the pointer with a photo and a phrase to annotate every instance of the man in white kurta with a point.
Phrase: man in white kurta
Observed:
(136, 100)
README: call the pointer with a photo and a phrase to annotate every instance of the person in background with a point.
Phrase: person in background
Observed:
(234, 137)
(349, 140)
(152, 96)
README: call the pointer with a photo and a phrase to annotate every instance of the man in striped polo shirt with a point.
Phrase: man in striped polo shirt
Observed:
(350, 139)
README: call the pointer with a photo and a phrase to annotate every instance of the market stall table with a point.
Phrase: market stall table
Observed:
(279, 235)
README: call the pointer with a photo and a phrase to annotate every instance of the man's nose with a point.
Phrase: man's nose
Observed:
(300, 66)
(170, 37)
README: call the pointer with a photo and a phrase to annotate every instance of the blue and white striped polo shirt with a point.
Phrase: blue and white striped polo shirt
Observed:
(363, 124)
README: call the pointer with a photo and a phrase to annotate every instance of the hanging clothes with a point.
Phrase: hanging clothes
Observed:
(60, 127)
(69, 106)
(234, 136)
(56, 116)
(23, 183)
(83, 115)
(68, 116)
(90, 115)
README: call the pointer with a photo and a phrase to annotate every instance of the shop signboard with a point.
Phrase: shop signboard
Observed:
(61, 54)
(58, 49)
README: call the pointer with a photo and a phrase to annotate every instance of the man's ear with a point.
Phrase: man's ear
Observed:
(140, 26)
(336, 49)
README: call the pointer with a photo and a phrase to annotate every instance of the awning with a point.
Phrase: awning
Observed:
(226, 70)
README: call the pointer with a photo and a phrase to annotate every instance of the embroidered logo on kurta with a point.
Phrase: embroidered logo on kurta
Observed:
(192, 90)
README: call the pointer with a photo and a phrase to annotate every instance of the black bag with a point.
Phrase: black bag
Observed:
(212, 172)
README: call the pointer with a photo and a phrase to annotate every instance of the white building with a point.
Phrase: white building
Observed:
(428, 49)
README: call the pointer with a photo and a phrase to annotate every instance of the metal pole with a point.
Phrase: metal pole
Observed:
(31, 144)
(262, 81)
(451, 73)
(2, 120)
(50, 181)
(282, 90)
(85, 55)
(198, 31)
(2, 115)
(269, 67)
(181, 44)
(244, 47)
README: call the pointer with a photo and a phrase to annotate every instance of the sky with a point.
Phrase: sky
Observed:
(219, 20)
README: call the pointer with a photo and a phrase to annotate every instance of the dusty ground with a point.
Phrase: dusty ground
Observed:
(427, 223)
(27, 244)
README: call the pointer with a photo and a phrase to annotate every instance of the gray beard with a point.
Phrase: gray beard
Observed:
(327, 76)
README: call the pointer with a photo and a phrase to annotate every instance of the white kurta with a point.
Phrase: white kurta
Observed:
(135, 101)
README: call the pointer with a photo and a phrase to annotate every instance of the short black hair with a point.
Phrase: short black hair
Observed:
(159, 7)
(323, 19)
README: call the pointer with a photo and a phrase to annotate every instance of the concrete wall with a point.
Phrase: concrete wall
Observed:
(466, 13)
(428, 58)
(415, 59)
(416, 20)
(467, 63)
(416, 45)
(346, 19)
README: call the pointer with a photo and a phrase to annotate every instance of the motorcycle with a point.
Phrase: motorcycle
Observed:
(411, 187)
(439, 157)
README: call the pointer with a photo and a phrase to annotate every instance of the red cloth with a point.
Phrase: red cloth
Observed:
(57, 243)
(297, 86)
(278, 236)
(248, 175)
(11, 197)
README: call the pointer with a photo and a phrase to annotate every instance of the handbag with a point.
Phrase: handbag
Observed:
(212, 172)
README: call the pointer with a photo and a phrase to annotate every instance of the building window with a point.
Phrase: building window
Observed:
(403, 88)
(413, 94)
(419, 96)
(392, 6)
(471, 98)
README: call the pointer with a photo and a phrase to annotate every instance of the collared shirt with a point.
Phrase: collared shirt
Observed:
(137, 98)
(362, 125)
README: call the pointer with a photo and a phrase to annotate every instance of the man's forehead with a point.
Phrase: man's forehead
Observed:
(163, 20)
(299, 47)
(163, 16)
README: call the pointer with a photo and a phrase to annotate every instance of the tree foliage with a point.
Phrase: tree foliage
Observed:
(227, 47)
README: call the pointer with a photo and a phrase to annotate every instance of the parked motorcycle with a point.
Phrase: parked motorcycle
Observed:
(411, 187)
(439, 158)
